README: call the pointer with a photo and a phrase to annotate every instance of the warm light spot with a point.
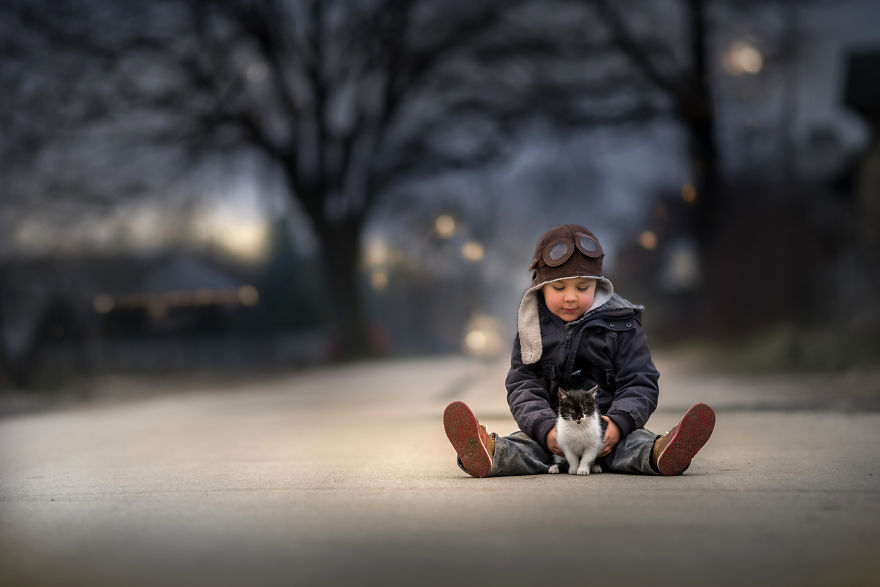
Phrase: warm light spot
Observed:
(239, 232)
(379, 280)
(475, 341)
(473, 251)
(103, 303)
(682, 269)
(444, 225)
(248, 240)
(248, 295)
(689, 193)
(145, 227)
(741, 59)
(648, 240)
(483, 336)
(377, 253)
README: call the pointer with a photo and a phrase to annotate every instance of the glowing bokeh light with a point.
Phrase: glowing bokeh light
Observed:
(444, 225)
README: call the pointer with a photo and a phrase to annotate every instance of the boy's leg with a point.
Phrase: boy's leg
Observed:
(520, 454)
(632, 454)
(481, 454)
(472, 444)
(644, 452)
(672, 452)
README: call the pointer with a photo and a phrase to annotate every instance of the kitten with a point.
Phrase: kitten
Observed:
(578, 432)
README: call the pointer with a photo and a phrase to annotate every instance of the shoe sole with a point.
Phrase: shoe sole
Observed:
(693, 432)
(463, 432)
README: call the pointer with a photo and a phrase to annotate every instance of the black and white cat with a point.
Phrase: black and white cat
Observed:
(578, 432)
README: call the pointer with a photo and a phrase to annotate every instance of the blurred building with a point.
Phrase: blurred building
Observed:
(178, 309)
(794, 253)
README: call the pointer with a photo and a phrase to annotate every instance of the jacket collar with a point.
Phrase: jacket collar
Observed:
(529, 322)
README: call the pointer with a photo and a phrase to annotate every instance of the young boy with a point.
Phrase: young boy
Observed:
(575, 332)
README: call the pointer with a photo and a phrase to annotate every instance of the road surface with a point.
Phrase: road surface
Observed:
(343, 476)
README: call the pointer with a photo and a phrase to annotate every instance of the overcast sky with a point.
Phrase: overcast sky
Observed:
(602, 179)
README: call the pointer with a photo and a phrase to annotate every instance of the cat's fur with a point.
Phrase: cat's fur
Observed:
(578, 432)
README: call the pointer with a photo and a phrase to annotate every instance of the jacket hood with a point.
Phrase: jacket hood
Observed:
(528, 320)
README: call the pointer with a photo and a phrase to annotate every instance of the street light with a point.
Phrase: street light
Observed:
(444, 225)
(473, 251)
(648, 240)
(742, 58)
(377, 253)
(689, 193)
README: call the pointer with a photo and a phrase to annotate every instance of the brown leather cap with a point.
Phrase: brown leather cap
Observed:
(569, 250)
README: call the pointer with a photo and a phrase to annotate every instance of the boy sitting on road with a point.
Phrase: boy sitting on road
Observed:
(573, 331)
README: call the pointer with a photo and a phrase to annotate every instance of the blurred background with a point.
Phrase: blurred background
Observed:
(252, 185)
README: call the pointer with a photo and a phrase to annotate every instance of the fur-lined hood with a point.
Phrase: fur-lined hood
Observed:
(569, 251)
(528, 320)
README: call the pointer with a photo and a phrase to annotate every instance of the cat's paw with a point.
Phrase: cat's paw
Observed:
(554, 469)
(583, 471)
(596, 468)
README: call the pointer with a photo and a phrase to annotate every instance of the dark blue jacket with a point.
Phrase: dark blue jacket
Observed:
(607, 347)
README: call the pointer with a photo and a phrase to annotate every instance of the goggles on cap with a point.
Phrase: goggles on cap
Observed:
(560, 250)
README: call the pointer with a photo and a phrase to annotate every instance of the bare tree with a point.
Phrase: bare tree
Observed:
(673, 46)
(678, 68)
(349, 99)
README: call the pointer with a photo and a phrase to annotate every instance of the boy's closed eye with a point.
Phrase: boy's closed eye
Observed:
(580, 287)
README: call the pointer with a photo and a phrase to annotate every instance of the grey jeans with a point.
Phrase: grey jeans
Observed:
(518, 454)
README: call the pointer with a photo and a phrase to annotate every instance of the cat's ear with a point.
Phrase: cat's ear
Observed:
(561, 393)
(592, 392)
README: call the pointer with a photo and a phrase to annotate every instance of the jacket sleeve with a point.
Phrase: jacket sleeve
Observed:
(635, 379)
(528, 397)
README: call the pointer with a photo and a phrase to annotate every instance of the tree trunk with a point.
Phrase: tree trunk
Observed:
(696, 112)
(339, 250)
(703, 156)
(705, 216)
(339, 253)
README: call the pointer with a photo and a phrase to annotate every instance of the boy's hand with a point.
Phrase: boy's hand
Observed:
(612, 436)
(552, 444)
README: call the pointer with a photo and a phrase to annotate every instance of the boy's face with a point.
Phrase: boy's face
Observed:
(569, 298)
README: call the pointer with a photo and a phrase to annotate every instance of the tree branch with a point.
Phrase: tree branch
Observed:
(635, 53)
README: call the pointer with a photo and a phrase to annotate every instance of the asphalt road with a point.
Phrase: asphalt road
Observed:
(344, 477)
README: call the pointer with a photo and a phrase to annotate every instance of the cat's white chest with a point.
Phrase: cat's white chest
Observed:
(581, 443)
(579, 437)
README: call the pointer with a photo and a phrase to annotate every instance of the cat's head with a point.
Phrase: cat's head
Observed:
(577, 404)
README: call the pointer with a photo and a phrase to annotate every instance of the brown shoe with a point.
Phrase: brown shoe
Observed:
(674, 450)
(474, 446)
